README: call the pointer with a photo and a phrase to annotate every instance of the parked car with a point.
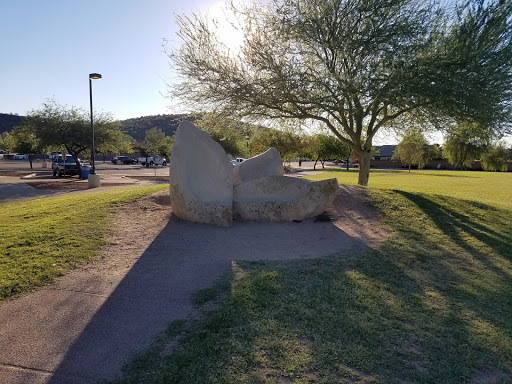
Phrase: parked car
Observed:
(123, 160)
(20, 156)
(2, 151)
(153, 160)
(69, 168)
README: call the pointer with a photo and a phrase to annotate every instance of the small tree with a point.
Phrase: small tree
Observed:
(3, 141)
(324, 147)
(434, 152)
(494, 158)
(229, 133)
(143, 150)
(59, 127)
(7, 140)
(157, 142)
(412, 150)
(288, 144)
(118, 142)
(23, 140)
(464, 144)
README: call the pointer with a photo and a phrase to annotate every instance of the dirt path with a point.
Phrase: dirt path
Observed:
(88, 324)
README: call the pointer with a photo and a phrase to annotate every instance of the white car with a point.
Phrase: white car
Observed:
(19, 156)
(238, 160)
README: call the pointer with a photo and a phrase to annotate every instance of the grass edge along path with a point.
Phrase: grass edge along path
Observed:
(432, 305)
(41, 239)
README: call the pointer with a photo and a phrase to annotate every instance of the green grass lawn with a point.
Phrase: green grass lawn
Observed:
(433, 304)
(41, 239)
(490, 187)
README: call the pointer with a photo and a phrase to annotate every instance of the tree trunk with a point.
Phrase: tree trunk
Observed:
(314, 166)
(364, 167)
(78, 165)
(410, 167)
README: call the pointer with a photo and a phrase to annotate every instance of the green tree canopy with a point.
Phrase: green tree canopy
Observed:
(353, 66)
(158, 143)
(494, 158)
(412, 150)
(288, 144)
(22, 140)
(464, 144)
(324, 147)
(58, 127)
(229, 133)
(3, 141)
(118, 142)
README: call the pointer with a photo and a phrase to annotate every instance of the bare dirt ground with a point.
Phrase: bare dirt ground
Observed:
(350, 212)
(353, 214)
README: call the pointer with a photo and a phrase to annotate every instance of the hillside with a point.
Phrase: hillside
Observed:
(8, 122)
(135, 127)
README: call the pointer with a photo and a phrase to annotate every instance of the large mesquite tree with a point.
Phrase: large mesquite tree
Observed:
(353, 66)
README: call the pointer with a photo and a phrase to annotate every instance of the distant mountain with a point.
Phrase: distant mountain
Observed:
(138, 127)
(8, 122)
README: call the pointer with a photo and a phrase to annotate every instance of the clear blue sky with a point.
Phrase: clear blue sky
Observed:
(49, 47)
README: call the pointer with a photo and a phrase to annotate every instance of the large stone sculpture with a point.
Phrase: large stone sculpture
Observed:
(201, 178)
(282, 198)
(269, 163)
(205, 188)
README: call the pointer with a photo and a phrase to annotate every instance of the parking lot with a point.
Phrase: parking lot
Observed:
(18, 181)
(106, 168)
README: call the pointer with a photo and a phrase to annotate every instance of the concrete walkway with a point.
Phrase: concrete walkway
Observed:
(18, 188)
(83, 328)
(15, 189)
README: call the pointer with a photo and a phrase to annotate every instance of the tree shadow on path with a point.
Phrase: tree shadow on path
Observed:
(184, 258)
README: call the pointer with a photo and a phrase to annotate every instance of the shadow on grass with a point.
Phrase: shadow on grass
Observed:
(470, 225)
(184, 258)
(427, 307)
(356, 319)
(455, 174)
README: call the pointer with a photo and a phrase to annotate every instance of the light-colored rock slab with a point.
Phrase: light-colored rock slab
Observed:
(269, 163)
(201, 178)
(282, 198)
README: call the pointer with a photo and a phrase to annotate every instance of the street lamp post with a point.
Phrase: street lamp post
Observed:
(247, 138)
(92, 76)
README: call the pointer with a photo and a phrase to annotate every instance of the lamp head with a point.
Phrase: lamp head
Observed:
(94, 76)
